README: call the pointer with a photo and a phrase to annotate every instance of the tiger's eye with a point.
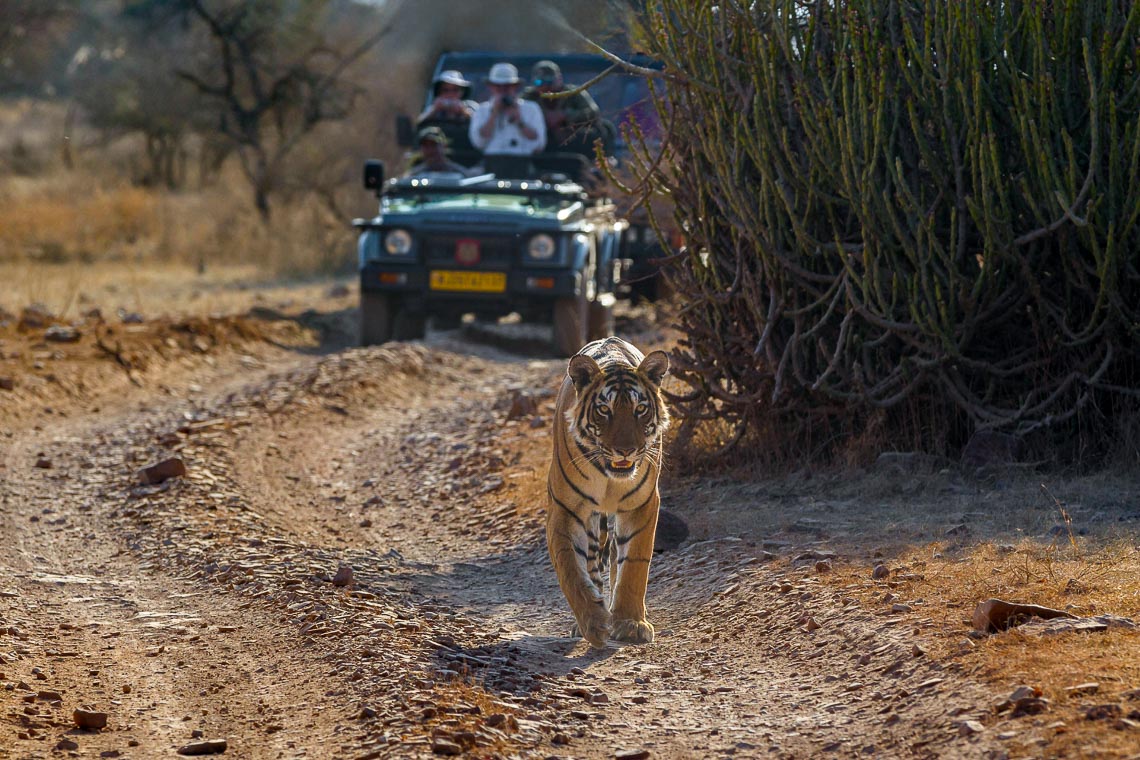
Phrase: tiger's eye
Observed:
(604, 408)
(642, 409)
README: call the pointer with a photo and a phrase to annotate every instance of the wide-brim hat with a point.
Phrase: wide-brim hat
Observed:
(503, 73)
(451, 76)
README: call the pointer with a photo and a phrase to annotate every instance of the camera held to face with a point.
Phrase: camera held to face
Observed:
(507, 101)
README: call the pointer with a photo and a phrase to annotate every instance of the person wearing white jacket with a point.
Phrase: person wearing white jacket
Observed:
(506, 124)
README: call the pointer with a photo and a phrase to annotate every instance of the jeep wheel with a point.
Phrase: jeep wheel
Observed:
(407, 326)
(570, 318)
(601, 321)
(375, 319)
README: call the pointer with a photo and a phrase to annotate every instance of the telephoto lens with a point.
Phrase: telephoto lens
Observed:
(508, 100)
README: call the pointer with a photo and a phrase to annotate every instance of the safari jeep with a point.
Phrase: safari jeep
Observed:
(490, 245)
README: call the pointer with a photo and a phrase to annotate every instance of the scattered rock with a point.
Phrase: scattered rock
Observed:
(164, 470)
(1078, 625)
(89, 720)
(441, 746)
(970, 728)
(995, 615)
(66, 745)
(343, 576)
(35, 316)
(917, 651)
(1108, 711)
(522, 405)
(7, 384)
(43, 462)
(631, 754)
(62, 334)
(880, 572)
(339, 290)
(1083, 688)
(205, 747)
(988, 448)
(823, 566)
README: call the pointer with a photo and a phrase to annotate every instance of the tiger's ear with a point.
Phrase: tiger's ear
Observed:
(655, 366)
(582, 371)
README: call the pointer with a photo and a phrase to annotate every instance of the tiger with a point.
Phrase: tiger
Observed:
(602, 489)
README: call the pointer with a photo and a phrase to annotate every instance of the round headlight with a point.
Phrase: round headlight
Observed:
(397, 242)
(540, 247)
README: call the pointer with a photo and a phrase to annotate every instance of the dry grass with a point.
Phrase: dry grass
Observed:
(951, 545)
(93, 212)
(171, 289)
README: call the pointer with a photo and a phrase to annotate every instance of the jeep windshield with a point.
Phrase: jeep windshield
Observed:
(521, 203)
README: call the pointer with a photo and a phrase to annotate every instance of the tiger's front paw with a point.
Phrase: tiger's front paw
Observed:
(596, 629)
(633, 631)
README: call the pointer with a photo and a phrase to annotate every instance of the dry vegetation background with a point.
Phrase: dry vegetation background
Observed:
(80, 198)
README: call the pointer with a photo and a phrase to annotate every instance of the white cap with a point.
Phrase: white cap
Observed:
(503, 73)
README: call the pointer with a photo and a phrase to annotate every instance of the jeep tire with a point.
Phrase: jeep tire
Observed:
(570, 324)
(375, 319)
(408, 326)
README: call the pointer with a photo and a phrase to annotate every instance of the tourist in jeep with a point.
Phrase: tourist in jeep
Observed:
(450, 92)
(505, 125)
(432, 160)
(573, 122)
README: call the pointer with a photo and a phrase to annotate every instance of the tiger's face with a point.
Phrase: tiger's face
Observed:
(620, 415)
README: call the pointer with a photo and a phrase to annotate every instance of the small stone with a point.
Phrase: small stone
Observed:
(205, 747)
(343, 576)
(62, 334)
(89, 720)
(43, 462)
(917, 651)
(997, 615)
(164, 470)
(560, 738)
(880, 572)
(811, 625)
(522, 405)
(7, 384)
(901, 608)
(1103, 712)
(1083, 688)
(823, 566)
(970, 728)
(441, 746)
(631, 754)
(64, 745)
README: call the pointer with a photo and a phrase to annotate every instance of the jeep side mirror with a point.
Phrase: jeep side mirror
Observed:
(373, 175)
(405, 132)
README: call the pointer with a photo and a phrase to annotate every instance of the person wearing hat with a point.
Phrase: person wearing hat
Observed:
(504, 124)
(572, 119)
(433, 160)
(449, 99)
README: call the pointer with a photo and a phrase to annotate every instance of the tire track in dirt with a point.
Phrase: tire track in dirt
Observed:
(399, 464)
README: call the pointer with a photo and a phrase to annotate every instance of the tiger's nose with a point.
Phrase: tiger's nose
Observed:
(625, 453)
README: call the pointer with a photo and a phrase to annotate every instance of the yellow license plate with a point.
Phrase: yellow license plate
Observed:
(480, 282)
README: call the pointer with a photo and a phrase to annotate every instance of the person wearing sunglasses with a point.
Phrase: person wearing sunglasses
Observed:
(572, 121)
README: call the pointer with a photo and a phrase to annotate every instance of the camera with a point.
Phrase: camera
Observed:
(508, 101)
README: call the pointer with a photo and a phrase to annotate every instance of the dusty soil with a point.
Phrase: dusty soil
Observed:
(353, 566)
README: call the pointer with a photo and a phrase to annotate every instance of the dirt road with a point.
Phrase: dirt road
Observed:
(353, 567)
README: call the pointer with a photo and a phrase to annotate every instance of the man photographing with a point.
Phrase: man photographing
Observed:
(504, 124)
